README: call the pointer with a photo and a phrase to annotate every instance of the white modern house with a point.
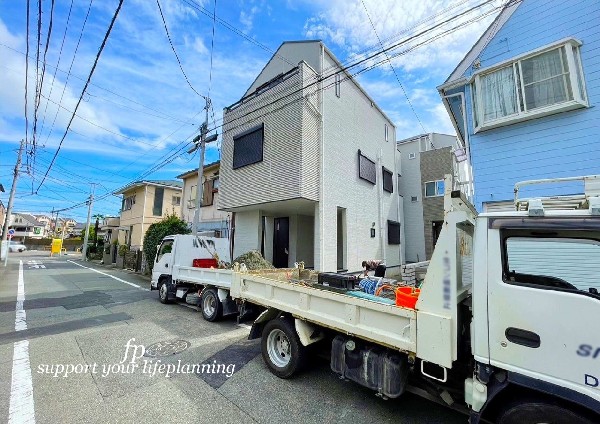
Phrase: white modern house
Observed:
(212, 221)
(308, 166)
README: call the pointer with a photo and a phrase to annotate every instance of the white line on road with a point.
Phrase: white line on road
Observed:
(21, 409)
(21, 318)
(108, 275)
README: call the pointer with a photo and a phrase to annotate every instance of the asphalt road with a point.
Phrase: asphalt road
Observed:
(69, 334)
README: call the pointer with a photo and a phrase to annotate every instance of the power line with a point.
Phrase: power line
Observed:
(95, 124)
(345, 69)
(393, 69)
(112, 22)
(92, 84)
(87, 14)
(174, 51)
(27, 74)
(62, 43)
(38, 90)
(212, 47)
(232, 28)
(320, 79)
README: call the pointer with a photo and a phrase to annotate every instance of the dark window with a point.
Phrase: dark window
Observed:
(393, 232)
(338, 82)
(248, 147)
(366, 168)
(388, 180)
(159, 194)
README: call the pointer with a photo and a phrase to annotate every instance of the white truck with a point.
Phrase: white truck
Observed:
(175, 276)
(505, 327)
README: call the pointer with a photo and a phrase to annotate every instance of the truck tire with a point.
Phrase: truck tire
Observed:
(281, 348)
(163, 290)
(538, 412)
(210, 305)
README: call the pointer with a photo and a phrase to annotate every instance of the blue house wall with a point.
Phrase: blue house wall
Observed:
(560, 145)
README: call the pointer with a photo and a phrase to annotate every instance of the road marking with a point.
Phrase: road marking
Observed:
(108, 275)
(21, 316)
(21, 409)
(35, 264)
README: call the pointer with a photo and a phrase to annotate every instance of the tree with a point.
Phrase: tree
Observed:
(98, 218)
(92, 234)
(170, 225)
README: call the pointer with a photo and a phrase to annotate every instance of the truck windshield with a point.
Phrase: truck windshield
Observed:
(564, 263)
(165, 247)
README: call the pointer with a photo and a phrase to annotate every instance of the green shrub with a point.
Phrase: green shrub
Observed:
(156, 232)
(123, 249)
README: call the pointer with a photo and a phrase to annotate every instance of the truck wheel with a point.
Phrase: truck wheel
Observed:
(281, 348)
(540, 412)
(210, 305)
(163, 290)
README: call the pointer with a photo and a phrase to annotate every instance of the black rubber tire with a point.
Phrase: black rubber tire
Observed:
(163, 294)
(297, 352)
(540, 412)
(214, 313)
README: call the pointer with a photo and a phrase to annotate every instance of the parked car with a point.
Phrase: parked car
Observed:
(16, 246)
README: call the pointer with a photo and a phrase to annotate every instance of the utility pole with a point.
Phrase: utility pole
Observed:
(87, 225)
(11, 198)
(200, 186)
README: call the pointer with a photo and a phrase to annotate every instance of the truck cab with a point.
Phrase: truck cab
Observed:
(536, 305)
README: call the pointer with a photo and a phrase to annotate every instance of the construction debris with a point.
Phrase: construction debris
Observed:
(253, 260)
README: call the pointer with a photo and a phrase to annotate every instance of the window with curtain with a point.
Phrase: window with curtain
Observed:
(538, 84)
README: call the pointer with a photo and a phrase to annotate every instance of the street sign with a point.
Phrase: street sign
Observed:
(11, 232)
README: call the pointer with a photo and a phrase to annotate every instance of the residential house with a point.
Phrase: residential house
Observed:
(46, 221)
(65, 226)
(308, 164)
(425, 160)
(524, 99)
(144, 203)
(212, 221)
(25, 226)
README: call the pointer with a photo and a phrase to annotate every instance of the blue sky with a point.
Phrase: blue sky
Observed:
(139, 109)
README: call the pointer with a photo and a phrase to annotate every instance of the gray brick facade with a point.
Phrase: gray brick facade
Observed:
(434, 164)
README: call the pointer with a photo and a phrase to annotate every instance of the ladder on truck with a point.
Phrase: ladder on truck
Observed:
(537, 205)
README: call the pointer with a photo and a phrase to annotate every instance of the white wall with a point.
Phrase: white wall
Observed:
(353, 122)
(247, 232)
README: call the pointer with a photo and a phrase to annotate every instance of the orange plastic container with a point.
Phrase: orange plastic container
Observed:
(407, 297)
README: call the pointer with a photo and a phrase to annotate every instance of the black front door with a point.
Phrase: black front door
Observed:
(281, 242)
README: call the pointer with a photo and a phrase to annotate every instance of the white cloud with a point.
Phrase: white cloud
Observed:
(346, 24)
(247, 18)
